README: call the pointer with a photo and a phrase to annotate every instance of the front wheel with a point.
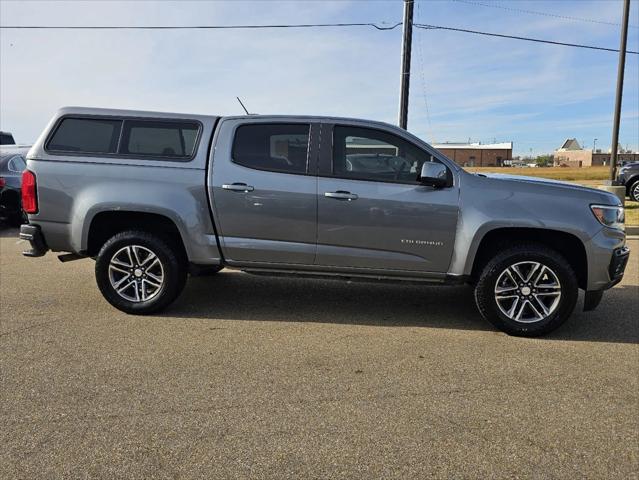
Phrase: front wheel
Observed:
(139, 273)
(528, 290)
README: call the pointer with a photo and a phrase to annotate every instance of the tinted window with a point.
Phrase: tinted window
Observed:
(86, 135)
(369, 154)
(276, 147)
(17, 164)
(6, 139)
(159, 138)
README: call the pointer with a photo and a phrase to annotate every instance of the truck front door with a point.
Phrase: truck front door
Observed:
(264, 190)
(372, 211)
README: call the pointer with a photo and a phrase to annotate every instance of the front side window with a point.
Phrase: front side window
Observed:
(375, 155)
(86, 135)
(159, 138)
(274, 147)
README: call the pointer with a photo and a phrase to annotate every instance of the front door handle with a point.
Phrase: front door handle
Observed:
(341, 195)
(238, 187)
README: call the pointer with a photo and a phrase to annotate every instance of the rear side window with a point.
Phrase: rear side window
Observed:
(86, 135)
(275, 147)
(159, 138)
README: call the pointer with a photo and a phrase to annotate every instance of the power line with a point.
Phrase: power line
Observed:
(514, 37)
(300, 25)
(544, 14)
(195, 27)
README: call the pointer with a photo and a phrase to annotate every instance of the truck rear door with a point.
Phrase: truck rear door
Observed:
(264, 190)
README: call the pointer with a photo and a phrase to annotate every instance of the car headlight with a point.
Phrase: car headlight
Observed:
(609, 215)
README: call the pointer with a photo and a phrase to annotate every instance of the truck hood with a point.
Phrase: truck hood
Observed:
(546, 182)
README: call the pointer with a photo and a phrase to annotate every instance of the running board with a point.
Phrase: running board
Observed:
(69, 257)
(350, 277)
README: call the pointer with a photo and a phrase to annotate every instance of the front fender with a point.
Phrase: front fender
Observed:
(489, 204)
(471, 245)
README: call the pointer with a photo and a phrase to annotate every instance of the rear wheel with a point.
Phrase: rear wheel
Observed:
(633, 193)
(527, 290)
(138, 272)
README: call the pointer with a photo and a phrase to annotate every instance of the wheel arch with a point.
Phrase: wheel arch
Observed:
(104, 224)
(566, 244)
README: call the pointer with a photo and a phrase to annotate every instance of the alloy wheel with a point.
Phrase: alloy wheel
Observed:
(136, 273)
(528, 292)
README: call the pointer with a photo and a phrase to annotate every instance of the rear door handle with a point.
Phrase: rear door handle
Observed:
(341, 195)
(238, 187)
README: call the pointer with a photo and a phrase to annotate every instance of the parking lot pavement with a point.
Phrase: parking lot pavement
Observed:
(251, 377)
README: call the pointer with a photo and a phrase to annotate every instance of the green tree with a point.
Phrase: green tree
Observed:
(544, 161)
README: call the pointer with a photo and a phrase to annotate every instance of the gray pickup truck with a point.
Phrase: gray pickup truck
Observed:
(154, 196)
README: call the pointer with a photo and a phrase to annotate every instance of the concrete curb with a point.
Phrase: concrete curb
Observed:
(632, 230)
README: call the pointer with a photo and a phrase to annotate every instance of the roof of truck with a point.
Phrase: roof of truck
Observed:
(130, 113)
(154, 114)
(38, 151)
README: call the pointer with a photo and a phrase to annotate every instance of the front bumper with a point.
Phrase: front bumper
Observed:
(601, 252)
(616, 269)
(618, 264)
(33, 235)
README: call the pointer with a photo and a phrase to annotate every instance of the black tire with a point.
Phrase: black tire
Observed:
(172, 264)
(485, 290)
(633, 191)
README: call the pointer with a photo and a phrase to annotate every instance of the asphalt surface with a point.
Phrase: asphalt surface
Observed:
(254, 377)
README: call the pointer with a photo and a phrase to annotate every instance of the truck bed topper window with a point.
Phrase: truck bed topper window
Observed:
(83, 135)
(138, 138)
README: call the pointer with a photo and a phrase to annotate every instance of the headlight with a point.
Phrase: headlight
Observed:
(609, 216)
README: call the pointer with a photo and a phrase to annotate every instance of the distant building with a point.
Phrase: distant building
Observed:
(477, 154)
(571, 154)
(569, 145)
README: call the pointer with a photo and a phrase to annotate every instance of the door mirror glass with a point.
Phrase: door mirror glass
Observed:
(434, 174)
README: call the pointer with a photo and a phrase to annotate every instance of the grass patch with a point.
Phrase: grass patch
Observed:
(554, 173)
(632, 213)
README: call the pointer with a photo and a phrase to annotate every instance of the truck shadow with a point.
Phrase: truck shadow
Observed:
(238, 296)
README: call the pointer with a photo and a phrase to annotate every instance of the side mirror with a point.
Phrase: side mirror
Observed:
(434, 174)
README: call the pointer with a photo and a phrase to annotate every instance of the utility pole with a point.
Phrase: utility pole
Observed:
(620, 72)
(404, 82)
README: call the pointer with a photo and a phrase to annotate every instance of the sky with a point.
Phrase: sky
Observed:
(463, 86)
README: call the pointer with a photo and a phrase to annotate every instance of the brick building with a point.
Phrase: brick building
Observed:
(571, 154)
(477, 154)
